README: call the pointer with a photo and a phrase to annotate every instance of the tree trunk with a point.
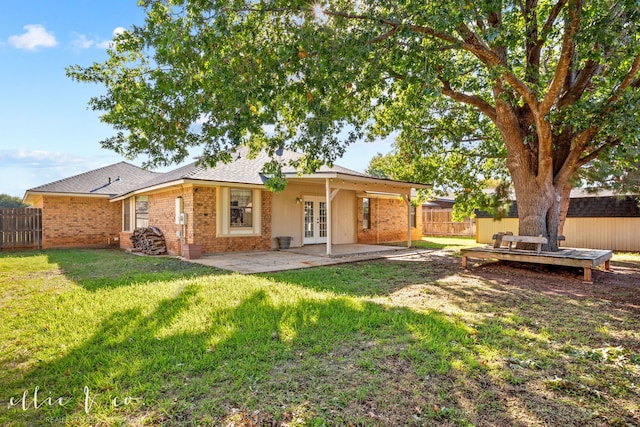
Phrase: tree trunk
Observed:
(537, 199)
(564, 207)
(531, 165)
(538, 211)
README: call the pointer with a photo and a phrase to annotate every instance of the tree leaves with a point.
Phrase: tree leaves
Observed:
(443, 76)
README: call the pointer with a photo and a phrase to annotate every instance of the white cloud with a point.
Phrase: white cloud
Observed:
(104, 44)
(35, 37)
(81, 42)
(109, 43)
(38, 158)
(118, 30)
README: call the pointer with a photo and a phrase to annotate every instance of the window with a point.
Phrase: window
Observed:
(241, 207)
(142, 211)
(412, 211)
(238, 213)
(126, 215)
(366, 220)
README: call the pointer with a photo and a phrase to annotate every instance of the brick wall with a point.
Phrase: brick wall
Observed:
(200, 208)
(79, 221)
(204, 225)
(388, 222)
(162, 214)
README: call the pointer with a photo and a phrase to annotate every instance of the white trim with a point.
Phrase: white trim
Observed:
(359, 179)
(45, 193)
(194, 182)
(223, 226)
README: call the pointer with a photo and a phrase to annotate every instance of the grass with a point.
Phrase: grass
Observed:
(632, 257)
(103, 338)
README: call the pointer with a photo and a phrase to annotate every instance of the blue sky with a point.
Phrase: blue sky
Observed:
(46, 131)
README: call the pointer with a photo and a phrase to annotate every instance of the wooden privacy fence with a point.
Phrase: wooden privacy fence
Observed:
(438, 222)
(20, 228)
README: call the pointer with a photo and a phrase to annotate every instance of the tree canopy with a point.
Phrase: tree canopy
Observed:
(8, 201)
(530, 91)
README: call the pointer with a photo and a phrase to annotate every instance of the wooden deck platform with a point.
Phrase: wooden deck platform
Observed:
(585, 258)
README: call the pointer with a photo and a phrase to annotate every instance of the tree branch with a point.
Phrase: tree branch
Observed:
(573, 160)
(629, 80)
(474, 45)
(581, 83)
(533, 51)
(564, 61)
(595, 153)
(414, 28)
(472, 100)
(551, 19)
(384, 36)
(532, 43)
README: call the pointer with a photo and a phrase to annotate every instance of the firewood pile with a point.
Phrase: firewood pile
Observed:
(149, 240)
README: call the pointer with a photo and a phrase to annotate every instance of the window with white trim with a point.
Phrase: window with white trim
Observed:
(366, 219)
(412, 210)
(126, 215)
(240, 207)
(238, 212)
(142, 211)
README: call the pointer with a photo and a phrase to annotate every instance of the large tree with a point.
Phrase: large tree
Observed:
(540, 88)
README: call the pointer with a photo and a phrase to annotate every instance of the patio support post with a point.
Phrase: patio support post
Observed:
(407, 200)
(328, 198)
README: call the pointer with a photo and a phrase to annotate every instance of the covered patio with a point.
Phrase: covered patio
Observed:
(303, 257)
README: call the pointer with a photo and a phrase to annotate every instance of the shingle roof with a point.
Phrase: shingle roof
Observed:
(242, 169)
(108, 180)
(593, 206)
(122, 178)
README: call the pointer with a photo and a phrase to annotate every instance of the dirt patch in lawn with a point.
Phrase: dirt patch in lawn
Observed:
(555, 350)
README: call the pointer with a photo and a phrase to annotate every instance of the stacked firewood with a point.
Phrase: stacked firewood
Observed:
(149, 240)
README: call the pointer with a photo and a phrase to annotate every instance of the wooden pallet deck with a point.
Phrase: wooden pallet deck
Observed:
(585, 258)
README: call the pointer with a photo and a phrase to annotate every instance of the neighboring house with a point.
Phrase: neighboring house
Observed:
(595, 220)
(437, 219)
(226, 208)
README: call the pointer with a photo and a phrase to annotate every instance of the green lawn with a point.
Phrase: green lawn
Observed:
(100, 337)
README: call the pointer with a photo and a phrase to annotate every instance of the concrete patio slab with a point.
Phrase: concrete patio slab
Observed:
(303, 257)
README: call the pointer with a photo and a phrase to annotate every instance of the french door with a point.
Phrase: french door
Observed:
(315, 220)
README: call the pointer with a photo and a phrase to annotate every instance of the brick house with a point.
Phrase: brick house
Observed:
(226, 208)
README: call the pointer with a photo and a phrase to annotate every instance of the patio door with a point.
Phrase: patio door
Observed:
(315, 220)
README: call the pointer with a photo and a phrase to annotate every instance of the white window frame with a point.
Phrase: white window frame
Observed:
(126, 206)
(366, 213)
(223, 213)
(136, 199)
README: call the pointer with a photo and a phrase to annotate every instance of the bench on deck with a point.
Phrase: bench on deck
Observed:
(585, 258)
(538, 240)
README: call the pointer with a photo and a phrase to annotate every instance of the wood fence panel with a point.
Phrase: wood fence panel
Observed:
(20, 228)
(439, 222)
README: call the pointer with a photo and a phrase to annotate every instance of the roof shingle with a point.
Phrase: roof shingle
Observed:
(108, 180)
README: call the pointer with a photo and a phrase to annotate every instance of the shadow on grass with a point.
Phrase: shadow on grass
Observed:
(259, 354)
(95, 269)
(369, 278)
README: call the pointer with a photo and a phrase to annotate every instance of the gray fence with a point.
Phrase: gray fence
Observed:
(20, 228)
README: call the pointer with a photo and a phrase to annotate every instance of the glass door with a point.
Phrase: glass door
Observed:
(315, 220)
